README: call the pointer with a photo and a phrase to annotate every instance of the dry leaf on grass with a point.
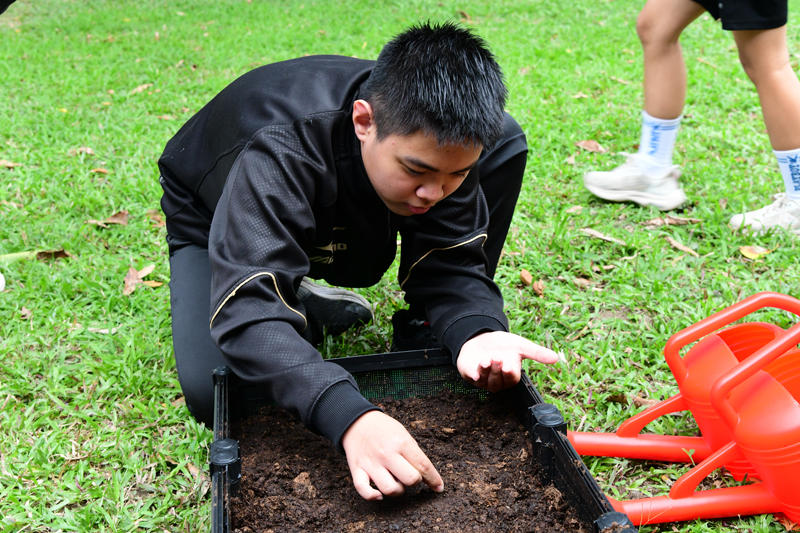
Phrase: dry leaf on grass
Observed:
(525, 277)
(706, 62)
(578, 335)
(135, 278)
(102, 331)
(538, 288)
(25, 313)
(618, 398)
(598, 235)
(581, 95)
(80, 150)
(41, 255)
(591, 146)
(193, 470)
(787, 524)
(582, 283)
(141, 88)
(99, 171)
(683, 248)
(638, 401)
(669, 221)
(623, 82)
(179, 401)
(570, 160)
(155, 217)
(120, 218)
(9, 164)
(575, 209)
(754, 252)
(53, 254)
(13, 204)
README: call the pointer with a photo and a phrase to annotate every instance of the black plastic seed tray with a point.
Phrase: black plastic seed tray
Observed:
(418, 373)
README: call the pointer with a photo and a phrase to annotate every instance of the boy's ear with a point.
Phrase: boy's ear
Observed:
(362, 119)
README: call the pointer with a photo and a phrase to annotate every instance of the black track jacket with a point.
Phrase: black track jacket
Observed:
(269, 176)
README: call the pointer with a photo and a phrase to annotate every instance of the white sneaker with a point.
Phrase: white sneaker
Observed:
(782, 213)
(629, 183)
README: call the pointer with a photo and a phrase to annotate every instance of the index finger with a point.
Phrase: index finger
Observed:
(430, 476)
(531, 350)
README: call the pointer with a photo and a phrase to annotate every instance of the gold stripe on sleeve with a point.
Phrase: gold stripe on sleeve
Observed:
(251, 278)
(481, 236)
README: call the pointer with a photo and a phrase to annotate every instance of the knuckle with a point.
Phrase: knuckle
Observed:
(424, 466)
(397, 490)
(412, 479)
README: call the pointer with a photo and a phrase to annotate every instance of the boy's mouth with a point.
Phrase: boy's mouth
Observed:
(417, 210)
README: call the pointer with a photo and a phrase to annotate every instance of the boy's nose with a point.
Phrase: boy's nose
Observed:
(431, 191)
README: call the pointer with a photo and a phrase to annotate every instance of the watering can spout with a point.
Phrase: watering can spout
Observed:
(742, 384)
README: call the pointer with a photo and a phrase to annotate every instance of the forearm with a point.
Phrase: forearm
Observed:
(274, 357)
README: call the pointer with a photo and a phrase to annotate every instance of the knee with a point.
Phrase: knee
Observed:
(759, 66)
(653, 29)
(200, 403)
(750, 67)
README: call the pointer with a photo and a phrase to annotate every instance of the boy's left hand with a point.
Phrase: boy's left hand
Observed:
(493, 360)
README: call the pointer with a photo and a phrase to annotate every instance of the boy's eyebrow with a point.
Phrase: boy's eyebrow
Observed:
(419, 163)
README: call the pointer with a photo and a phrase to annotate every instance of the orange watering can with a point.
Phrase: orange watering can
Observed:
(758, 401)
(717, 353)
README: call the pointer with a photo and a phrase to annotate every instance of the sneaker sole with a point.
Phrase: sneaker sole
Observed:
(744, 229)
(325, 296)
(663, 203)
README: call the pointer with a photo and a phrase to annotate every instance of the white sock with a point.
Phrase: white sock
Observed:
(789, 163)
(657, 144)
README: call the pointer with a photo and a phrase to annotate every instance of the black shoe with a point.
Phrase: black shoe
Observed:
(412, 333)
(331, 310)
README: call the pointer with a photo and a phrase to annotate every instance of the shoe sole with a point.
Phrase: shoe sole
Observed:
(325, 296)
(663, 203)
(744, 229)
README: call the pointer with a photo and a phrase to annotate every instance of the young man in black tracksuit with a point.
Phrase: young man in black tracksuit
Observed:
(310, 168)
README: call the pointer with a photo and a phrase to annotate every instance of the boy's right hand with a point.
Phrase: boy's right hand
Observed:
(380, 449)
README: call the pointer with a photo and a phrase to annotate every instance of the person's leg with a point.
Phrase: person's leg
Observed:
(648, 177)
(764, 55)
(196, 355)
(659, 26)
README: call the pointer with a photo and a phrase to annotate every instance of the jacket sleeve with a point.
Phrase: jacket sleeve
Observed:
(260, 225)
(444, 265)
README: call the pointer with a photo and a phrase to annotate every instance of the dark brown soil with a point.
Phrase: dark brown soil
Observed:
(293, 480)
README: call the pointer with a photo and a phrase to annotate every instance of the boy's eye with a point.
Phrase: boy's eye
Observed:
(413, 172)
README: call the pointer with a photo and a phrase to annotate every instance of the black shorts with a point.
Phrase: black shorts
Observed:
(748, 14)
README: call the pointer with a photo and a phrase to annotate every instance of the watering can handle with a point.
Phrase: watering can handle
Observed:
(722, 318)
(745, 370)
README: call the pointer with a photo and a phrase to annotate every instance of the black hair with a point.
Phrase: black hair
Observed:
(440, 79)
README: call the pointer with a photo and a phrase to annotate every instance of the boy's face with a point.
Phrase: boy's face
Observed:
(411, 173)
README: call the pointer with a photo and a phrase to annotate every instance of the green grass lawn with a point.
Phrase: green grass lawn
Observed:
(93, 432)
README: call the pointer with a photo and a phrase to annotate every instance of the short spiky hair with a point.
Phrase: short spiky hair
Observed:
(440, 79)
